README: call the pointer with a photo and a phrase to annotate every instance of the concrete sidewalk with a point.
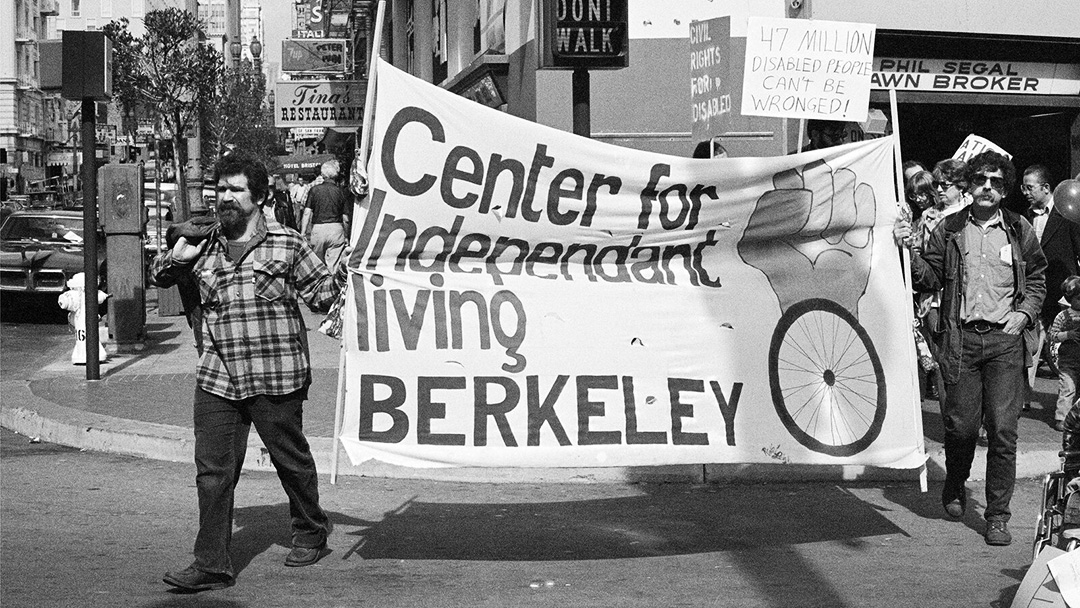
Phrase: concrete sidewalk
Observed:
(141, 406)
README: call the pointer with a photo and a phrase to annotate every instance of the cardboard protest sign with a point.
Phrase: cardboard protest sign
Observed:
(973, 144)
(710, 86)
(804, 68)
(547, 300)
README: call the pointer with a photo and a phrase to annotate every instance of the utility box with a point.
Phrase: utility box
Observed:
(123, 217)
(50, 62)
(86, 66)
(122, 210)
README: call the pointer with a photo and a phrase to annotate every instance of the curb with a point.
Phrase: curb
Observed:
(37, 418)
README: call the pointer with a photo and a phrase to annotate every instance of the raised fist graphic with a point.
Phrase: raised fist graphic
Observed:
(812, 236)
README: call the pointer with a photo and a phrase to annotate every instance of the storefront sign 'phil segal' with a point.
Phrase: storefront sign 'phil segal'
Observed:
(590, 34)
(319, 103)
(800, 68)
(968, 76)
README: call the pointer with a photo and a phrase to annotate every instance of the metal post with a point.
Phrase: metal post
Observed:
(157, 188)
(359, 211)
(194, 149)
(90, 225)
(582, 125)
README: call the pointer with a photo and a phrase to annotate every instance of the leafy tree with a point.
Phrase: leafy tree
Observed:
(240, 117)
(168, 71)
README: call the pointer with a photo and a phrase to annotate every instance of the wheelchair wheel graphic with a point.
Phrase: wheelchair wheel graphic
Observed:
(827, 383)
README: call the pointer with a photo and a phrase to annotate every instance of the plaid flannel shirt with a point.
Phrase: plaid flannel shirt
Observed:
(248, 328)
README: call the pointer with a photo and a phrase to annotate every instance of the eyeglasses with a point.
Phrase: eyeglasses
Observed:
(997, 183)
(944, 185)
(1029, 188)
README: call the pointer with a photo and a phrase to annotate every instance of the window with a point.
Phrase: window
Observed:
(75, 8)
(410, 40)
(439, 51)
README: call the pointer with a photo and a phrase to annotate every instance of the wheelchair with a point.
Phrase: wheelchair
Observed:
(1058, 524)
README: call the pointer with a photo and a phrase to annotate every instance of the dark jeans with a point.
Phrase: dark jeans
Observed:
(221, 434)
(990, 391)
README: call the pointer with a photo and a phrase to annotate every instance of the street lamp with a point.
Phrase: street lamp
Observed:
(256, 48)
(235, 48)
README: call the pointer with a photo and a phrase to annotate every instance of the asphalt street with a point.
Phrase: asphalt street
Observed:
(94, 529)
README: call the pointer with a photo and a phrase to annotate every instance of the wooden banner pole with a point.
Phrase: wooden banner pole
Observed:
(906, 256)
(362, 157)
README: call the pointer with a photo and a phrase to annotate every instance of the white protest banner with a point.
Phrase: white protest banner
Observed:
(547, 300)
(805, 68)
(973, 144)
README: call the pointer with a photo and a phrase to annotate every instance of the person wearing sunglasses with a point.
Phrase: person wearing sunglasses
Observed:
(1060, 241)
(988, 264)
(950, 185)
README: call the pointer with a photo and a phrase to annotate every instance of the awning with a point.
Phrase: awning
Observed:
(300, 163)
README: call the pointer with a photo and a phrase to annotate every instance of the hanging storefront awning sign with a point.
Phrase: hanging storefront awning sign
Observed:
(299, 133)
(319, 103)
(325, 56)
(62, 159)
(966, 76)
(301, 163)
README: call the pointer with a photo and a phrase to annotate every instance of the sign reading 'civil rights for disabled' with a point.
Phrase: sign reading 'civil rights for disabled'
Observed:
(319, 103)
(710, 78)
(548, 300)
(800, 68)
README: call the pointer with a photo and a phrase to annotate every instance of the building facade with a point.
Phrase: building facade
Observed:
(30, 120)
(39, 129)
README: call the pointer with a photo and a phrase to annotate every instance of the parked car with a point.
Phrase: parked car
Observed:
(40, 249)
(11, 206)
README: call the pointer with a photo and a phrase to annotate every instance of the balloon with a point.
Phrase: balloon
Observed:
(1067, 200)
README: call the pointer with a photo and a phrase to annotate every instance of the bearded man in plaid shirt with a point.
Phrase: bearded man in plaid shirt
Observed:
(247, 274)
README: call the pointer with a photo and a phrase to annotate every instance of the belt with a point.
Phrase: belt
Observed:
(981, 326)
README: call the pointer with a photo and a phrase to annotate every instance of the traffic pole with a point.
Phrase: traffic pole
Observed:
(582, 112)
(90, 248)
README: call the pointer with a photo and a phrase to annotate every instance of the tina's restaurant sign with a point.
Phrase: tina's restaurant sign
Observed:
(319, 103)
(591, 34)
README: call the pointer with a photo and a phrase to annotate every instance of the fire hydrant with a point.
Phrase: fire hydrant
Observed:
(73, 300)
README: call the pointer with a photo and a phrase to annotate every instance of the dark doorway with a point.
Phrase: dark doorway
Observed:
(932, 132)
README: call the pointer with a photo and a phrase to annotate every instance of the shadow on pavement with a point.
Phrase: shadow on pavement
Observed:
(760, 534)
(181, 598)
(1007, 594)
(263, 526)
(37, 309)
(670, 520)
